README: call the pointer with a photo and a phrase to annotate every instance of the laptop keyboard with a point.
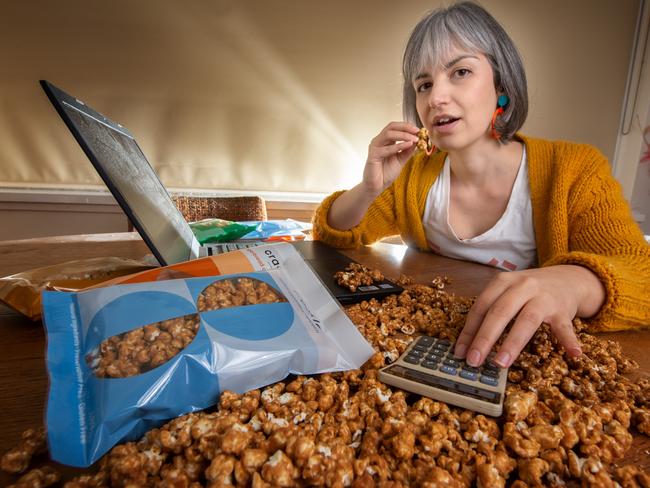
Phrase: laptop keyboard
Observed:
(222, 247)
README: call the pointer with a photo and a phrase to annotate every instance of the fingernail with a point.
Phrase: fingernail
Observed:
(474, 357)
(575, 351)
(461, 349)
(502, 359)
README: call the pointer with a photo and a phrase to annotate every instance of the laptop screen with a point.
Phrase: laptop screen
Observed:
(129, 176)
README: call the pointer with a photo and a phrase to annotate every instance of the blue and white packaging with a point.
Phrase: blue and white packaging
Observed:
(237, 348)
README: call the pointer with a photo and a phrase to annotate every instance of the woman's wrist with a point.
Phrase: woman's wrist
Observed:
(367, 194)
(348, 209)
(592, 292)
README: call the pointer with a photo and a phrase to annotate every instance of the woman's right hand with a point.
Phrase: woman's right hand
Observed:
(387, 154)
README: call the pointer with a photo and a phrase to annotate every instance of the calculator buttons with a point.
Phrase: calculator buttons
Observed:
(490, 372)
(471, 369)
(420, 347)
(444, 342)
(448, 369)
(430, 364)
(433, 358)
(489, 380)
(425, 340)
(451, 362)
(412, 359)
(491, 365)
(468, 375)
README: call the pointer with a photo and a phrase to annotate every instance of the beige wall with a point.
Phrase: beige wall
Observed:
(640, 199)
(42, 213)
(273, 95)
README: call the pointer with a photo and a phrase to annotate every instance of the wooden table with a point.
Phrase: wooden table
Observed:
(23, 379)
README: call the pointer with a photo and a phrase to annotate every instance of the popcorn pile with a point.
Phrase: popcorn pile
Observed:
(236, 293)
(566, 421)
(356, 275)
(142, 349)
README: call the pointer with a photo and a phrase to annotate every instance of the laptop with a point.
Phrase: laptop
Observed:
(122, 165)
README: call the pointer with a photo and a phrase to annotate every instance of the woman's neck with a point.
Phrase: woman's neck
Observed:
(486, 163)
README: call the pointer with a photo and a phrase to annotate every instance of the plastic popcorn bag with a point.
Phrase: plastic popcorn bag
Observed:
(122, 359)
(22, 291)
(218, 230)
(269, 229)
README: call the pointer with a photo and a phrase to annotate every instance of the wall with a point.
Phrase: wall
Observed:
(641, 193)
(279, 96)
(42, 213)
(48, 215)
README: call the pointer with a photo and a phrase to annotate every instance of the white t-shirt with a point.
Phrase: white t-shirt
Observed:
(509, 244)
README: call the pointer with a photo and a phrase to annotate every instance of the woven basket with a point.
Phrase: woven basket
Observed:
(228, 208)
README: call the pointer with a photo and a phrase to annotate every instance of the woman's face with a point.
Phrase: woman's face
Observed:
(456, 100)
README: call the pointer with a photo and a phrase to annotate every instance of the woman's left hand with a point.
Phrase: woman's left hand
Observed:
(554, 295)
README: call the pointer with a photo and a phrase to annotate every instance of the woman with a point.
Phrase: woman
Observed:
(550, 212)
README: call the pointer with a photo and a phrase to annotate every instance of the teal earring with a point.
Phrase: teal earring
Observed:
(502, 102)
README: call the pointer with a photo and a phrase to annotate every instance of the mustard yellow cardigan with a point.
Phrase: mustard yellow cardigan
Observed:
(579, 214)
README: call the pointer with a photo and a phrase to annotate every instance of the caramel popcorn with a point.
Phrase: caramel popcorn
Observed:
(236, 293)
(566, 420)
(519, 404)
(142, 349)
(424, 141)
(38, 478)
(356, 275)
(642, 420)
(17, 460)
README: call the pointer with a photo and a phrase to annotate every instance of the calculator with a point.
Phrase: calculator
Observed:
(428, 367)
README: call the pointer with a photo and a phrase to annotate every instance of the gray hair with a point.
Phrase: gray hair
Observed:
(467, 25)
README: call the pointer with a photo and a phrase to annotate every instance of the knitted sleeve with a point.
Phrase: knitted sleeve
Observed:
(604, 237)
(378, 222)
